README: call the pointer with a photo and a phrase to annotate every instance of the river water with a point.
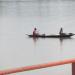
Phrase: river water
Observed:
(18, 18)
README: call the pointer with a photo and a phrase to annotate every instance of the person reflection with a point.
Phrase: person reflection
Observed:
(35, 39)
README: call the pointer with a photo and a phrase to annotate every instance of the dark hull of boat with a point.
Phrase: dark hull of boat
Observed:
(50, 36)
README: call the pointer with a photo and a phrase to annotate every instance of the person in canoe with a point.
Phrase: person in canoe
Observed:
(61, 32)
(35, 32)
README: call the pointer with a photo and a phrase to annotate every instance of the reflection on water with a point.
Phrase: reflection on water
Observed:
(18, 18)
(63, 39)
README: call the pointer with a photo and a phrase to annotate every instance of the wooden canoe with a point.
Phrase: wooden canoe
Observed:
(51, 36)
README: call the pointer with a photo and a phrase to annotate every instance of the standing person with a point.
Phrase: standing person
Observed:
(61, 31)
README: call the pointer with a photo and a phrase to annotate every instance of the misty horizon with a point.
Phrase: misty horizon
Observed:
(36, 0)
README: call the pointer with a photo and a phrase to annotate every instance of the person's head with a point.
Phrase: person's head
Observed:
(61, 28)
(35, 29)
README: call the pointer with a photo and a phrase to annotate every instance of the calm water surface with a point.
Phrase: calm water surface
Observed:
(18, 18)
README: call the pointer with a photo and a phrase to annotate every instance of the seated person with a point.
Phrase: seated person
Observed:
(35, 32)
(61, 31)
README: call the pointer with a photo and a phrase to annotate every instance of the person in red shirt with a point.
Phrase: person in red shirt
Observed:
(35, 32)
